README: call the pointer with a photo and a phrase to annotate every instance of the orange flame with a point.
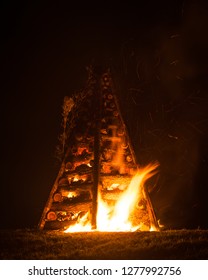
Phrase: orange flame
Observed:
(117, 217)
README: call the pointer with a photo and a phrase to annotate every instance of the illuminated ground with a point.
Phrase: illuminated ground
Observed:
(32, 244)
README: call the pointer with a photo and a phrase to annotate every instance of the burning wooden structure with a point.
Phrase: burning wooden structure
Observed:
(98, 160)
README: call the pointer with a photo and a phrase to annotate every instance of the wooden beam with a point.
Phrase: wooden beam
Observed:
(96, 165)
(153, 221)
(50, 198)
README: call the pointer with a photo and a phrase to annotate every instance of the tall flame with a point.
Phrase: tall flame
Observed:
(118, 217)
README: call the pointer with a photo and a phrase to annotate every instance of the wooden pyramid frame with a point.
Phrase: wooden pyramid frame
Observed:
(95, 142)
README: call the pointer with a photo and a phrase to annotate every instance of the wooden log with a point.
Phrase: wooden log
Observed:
(120, 180)
(88, 171)
(51, 216)
(63, 181)
(57, 197)
(69, 166)
(83, 169)
(81, 206)
(76, 187)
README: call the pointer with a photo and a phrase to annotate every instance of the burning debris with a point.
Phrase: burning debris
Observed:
(99, 185)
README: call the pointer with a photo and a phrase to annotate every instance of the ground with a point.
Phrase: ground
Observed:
(26, 244)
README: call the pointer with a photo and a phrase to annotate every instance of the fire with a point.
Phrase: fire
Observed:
(76, 178)
(118, 217)
(71, 194)
(83, 225)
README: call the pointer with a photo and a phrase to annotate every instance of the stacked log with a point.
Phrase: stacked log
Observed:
(72, 193)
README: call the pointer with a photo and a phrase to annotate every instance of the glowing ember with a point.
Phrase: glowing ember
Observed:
(76, 178)
(118, 216)
(71, 194)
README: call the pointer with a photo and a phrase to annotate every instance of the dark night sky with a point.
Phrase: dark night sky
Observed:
(158, 54)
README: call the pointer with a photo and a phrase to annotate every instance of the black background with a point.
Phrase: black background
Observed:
(158, 55)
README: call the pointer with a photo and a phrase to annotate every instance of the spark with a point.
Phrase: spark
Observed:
(171, 136)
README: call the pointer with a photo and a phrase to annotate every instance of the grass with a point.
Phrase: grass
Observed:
(174, 244)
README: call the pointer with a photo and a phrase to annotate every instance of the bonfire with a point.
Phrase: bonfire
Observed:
(100, 185)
